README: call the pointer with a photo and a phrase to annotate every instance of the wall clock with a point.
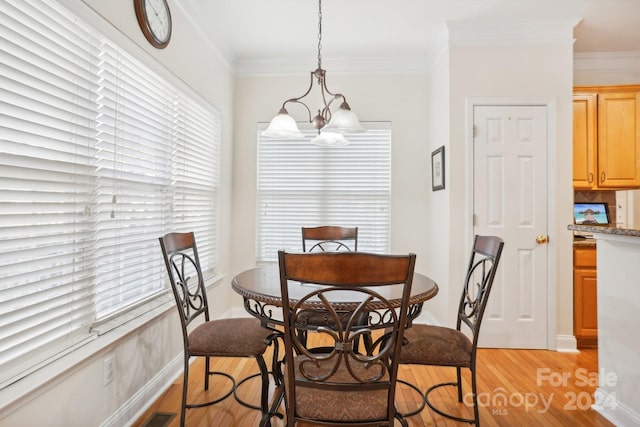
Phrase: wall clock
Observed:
(154, 18)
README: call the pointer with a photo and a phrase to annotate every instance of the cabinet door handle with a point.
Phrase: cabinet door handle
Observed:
(590, 180)
(602, 177)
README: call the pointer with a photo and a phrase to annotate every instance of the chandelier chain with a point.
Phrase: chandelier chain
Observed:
(333, 125)
(319, 33)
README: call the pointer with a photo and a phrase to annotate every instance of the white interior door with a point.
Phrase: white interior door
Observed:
(510, 200)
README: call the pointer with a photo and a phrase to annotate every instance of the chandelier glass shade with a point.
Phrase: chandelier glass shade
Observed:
(331, 125)
(283, 126)
(329, 139)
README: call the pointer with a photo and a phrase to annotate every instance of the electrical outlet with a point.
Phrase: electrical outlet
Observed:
(107, 370)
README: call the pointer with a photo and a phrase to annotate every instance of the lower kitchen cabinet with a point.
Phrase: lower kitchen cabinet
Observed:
(585, 296)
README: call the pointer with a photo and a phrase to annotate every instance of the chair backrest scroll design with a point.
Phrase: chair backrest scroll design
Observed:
(185, 275)
(329, 238)
(478, 282)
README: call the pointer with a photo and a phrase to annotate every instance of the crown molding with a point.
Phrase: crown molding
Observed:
(352, 65)
(512, 33)
(452, 34)
(216, 45)
(607, 61)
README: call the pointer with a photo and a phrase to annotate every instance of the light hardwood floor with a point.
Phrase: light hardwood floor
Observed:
(515, 388)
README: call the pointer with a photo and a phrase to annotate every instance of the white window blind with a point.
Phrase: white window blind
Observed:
(305, 185)
(133, 174)
(196, 176)
(99, 156)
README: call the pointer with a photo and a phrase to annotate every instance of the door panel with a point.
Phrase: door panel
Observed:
(510, 200)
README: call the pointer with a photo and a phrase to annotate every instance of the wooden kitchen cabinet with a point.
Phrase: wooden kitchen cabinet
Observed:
(584, 140)
(606, 137)
(585, 296)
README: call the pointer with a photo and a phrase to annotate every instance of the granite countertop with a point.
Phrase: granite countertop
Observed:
(605, 230)
(584, 242)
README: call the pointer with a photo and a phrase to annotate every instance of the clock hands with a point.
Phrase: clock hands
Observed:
(155, 11)
(162, 18)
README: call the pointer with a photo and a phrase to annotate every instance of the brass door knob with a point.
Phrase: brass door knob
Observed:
(540, 239)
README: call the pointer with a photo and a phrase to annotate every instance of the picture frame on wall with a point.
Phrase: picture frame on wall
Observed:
(437, 169)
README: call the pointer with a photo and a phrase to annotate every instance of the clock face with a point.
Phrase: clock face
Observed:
(154, 18)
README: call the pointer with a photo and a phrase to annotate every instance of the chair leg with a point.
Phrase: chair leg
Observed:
(476, 414)
(276, 373)
(401, 419)
(264, 374)
(206, 373)
(419, 408)
(276, 365)
(185, 385)
(459, 377)
(264, 390)
(302, 336)
(475, 420)
(264, 393)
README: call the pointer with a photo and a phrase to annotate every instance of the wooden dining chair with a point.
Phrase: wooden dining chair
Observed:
(452, 347)
(237, 337)
(342, 386)
(329, 238)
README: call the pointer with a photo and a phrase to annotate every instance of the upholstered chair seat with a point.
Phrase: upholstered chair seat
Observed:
(346, 406)
(436, 345)
(242, 337)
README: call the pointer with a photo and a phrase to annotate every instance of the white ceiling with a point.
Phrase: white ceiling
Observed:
(285, 32)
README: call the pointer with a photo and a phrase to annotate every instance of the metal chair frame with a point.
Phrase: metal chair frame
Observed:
(330, 238)
(479, 278)
(359, 274)
(187, 283)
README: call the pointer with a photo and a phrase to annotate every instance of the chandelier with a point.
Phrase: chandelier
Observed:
(331, 125)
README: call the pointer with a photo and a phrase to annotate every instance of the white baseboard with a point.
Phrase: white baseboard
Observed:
(135, 407)
(616, 412)
(566, 344)
(235, 312)
(427, 318)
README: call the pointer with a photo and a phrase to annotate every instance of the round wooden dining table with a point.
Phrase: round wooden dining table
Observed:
(260, 289)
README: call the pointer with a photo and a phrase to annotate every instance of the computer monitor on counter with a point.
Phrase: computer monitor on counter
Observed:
(591, 213)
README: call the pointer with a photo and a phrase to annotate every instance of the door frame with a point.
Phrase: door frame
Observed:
(553, 341)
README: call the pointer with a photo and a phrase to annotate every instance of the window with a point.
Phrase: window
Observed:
(99, 156)
(300, 184)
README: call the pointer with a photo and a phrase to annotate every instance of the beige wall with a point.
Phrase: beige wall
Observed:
(427, 111)
(439, 226)
(523, 73)
(401, 99)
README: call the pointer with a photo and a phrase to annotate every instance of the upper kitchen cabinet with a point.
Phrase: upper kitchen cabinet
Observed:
(606, 137)
(584, 140)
